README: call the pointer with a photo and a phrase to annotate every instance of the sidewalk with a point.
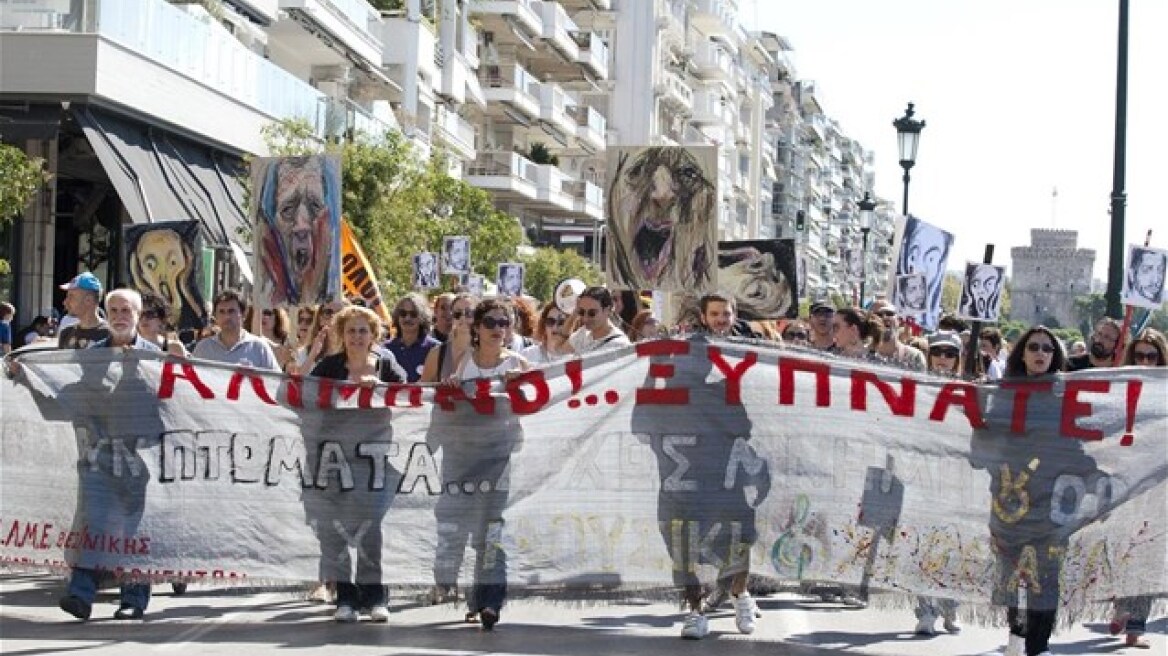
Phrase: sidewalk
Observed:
(217, 621)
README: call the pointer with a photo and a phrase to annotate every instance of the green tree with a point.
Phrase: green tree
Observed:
(20, 178)
(1090, 308)
(951, 292)
(546, 267)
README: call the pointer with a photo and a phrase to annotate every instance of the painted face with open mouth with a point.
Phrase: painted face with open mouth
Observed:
(660, 193)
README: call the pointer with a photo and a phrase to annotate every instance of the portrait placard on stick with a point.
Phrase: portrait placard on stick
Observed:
(510, 278)
(166, 259)
(296, 218)
(456, 255)
(1143, 283)
(921, 248)
(981, 292)
(425, 270)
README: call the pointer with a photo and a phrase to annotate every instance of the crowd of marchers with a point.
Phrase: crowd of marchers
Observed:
(450, 338)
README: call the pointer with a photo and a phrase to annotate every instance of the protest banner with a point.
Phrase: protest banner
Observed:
(634, 469)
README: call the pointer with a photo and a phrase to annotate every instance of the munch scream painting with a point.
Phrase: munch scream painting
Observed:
(296, 215)
(662, 217)
(166, 259)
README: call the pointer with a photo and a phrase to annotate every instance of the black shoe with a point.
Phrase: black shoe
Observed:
(75, 606)
(179, 589)
(489, 617)
(127, 612)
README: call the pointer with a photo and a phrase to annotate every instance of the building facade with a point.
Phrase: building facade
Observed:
(1048, 275)
(522, 96)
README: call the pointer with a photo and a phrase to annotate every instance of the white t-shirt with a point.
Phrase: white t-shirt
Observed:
(537, 355)
(582, 341)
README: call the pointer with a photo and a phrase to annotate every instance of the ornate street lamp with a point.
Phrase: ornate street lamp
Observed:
(867, 215)
(908, 137)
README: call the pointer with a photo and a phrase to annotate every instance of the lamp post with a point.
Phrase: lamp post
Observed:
(867, 211)
(1119, 170)
(908, 137)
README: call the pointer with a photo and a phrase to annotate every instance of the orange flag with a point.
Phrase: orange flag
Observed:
(357, 276)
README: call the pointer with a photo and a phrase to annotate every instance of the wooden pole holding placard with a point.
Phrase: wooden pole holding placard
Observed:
(973, 348)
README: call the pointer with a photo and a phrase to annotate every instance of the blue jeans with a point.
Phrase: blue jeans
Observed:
(83, 585)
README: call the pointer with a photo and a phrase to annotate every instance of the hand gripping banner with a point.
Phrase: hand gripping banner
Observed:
(661, 464)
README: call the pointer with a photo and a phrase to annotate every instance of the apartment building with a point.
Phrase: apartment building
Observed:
(143, 110)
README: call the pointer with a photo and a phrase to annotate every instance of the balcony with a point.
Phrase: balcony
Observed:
(714, 17)
(327, 32)
(554, 105)
(674, 91)
(593, 53)
(711, 108)
(144, 54)
(503, 15)
(671, 21)
(553, 187)
(589, 199)
(509, 176)
(591, 127)
(558, 28)
(410, 44)
(712, 62)
(454, 131)
(513, 85)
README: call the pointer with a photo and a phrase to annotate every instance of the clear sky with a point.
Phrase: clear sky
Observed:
(1019, 99)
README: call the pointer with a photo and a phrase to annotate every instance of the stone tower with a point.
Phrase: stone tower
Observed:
(1048, 275)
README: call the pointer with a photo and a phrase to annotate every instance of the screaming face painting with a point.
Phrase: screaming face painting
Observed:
(163, 258)
(662, 218)
(297, 224)
(981, 293)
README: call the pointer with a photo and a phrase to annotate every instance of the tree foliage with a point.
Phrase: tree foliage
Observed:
(20, 177)
(399, 205)
(546, 267)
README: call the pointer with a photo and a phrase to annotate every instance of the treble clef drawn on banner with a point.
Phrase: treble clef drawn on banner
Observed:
(798, 545)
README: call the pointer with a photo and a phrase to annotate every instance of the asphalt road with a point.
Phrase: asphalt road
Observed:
(217, 621)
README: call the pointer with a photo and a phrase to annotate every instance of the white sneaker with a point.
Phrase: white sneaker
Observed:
(379, 614)
(744, 609)
(346, 614)
(1016, 646)
(926, 626)
(695, 627)
(951, 625)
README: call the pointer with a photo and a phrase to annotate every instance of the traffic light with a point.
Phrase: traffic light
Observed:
(800, 221)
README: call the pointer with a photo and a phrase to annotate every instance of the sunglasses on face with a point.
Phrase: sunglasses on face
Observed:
(943, 353)
(327, 312)
(1035, 347)
(407, 314)
(459, 314)
(269, 313)
(587, 313)
(795, 336)
(553, 321)
(887, 313)
(1146, 356)
(491, 323)
(821, 312)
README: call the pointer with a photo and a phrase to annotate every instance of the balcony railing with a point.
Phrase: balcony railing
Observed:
(558, 28)
(163, 33)
(357, 12)
(511, 165)
(593, 52)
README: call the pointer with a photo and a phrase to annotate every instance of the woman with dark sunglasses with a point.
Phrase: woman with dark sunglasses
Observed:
(551, 337)
(477, 461)
(443, 360)
(1028, 539)
(1149, 349)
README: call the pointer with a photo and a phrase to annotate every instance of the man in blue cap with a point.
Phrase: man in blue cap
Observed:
(82, 298)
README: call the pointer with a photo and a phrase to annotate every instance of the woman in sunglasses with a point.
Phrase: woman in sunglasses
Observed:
(945, 354)
(317, 345)
(442, 361)
(1027, 538)
(1150, 349)
(551, 337)
(153, 327)
(482, 455)
(411, 343)
(797, 333)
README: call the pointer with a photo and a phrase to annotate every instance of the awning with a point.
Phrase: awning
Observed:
(23, 122)
(162, 177)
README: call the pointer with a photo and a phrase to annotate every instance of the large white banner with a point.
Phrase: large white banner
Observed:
(646, 467)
